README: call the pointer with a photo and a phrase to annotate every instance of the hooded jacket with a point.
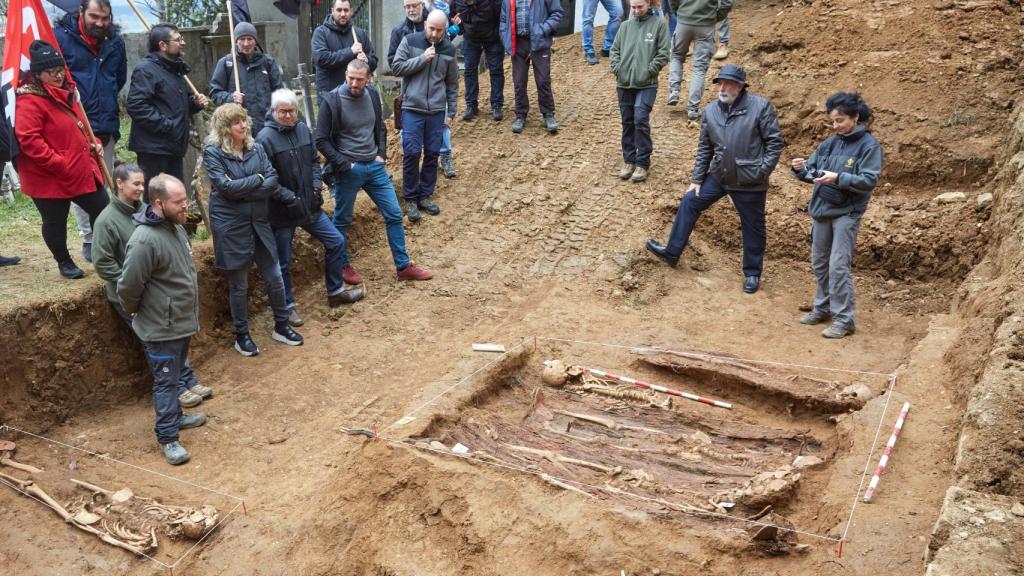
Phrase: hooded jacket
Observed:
(640, 51)
(428, 86)
(739, 144)
(332, 51)
(401, 31)
(161, 107)
(329, 128)
(480, 20)
(111, 232)
(55, 160)
(299, 175)
(100, 75)
(700, 12)
(544, 18)
(158, 282)
(259, 75)
(857, 159)
(239, 215)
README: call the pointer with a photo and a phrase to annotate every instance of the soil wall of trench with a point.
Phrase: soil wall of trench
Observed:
(981, 523)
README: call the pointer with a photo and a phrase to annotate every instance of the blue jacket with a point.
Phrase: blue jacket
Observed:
(544, 18)
(857, 159)
(100, 77)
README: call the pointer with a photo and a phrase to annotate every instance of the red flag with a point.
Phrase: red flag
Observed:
(26, 21)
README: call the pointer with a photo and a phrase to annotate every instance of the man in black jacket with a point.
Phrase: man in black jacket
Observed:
(5, 156)
(413, 23)
(480, 20)
(161, 106)
(350, 134)
(337, 42)
(740, 144)
(288, 143)
(258, 75)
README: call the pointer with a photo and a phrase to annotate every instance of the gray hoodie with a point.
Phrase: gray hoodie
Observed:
(430, 86)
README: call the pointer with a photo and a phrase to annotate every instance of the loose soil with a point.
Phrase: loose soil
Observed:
(538, 237)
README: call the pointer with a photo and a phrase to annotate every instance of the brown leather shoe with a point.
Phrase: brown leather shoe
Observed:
(414, 272)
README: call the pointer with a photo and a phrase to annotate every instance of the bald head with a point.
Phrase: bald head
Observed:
(434, 27)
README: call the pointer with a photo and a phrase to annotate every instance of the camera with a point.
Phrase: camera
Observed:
(814, 174)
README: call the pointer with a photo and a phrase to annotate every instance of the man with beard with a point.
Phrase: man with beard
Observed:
(337, 42)
(258, 74)
(161, 105)
(94, 51)
(159, 288)
(740, 144)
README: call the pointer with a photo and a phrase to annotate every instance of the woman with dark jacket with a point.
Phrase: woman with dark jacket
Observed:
(844, 170)
(242, 180)
(57, 161)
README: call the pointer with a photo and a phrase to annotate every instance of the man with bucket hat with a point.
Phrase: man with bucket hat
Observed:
(740, 144)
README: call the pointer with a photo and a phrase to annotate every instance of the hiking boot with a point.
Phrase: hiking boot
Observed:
(428, 206)
(662, 253)
(412, 211)
(497, 115)
(518, 124)
(414, 272)
(349, 296)
(722, 53)
(192, 420)
(471, 111)
(189, 400)
(350, 276)
(640, 174)
(9, 260)
(550, 124)
(285, 335)
(673, 98)
(203, 392)
(447, 166)
(605, 54)
(87, 251)
(175, 453)
(245, 346)
(294, 319)
(835, 331)
(627, 170)
(812, 318)
(751, 284)
(70, 270)
(592, 59)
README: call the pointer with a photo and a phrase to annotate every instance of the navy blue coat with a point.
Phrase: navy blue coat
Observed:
(99, 77)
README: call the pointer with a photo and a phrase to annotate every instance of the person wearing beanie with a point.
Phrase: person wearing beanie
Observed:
(740, 144)
(57, 162)
(258, 74)
(161, 104)
(95, 52)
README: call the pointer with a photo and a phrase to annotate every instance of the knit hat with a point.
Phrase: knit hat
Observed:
(43, 56)
(731, 72)
(244, 29)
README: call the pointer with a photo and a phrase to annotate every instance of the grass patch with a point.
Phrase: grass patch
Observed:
(20, 222)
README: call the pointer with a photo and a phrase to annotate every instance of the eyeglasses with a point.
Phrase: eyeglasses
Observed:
(411, 7)
(58, 72)
(178, 40)
(287, 111)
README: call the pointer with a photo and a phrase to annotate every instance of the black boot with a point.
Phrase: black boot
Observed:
(349, 296)
(70, 270)
(471, 111)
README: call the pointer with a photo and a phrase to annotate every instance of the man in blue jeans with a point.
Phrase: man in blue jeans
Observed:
(614, 9)
(350, 134)
(289, 145)
(430, 88)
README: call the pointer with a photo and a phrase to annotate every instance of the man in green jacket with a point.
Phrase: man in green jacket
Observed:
(638, 54)
(695, 23)
(111, 232)
(158, 287)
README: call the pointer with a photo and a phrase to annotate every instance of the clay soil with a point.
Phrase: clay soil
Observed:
(538, 238)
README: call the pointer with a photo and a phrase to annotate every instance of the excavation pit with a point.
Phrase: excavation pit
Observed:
(757, 457)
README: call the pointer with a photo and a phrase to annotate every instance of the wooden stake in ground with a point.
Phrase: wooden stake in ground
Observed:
(889, 447)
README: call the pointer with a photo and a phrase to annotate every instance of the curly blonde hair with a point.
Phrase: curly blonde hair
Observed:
(220, 127)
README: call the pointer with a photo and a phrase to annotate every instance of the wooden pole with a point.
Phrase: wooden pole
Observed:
(92, 140)
(234, 54)
(146, 24)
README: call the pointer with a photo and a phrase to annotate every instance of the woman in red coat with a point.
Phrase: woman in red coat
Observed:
(56, 161)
